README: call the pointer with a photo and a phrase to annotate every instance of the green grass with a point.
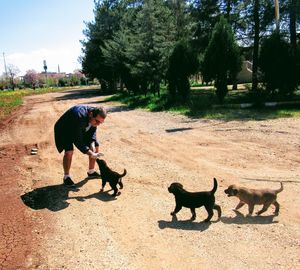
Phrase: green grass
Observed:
(10, 100)
(201, 105)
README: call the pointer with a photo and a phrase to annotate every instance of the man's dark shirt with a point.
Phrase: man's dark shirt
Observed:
(71, 127)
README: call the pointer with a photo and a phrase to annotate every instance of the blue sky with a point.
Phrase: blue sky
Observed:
(33, 30)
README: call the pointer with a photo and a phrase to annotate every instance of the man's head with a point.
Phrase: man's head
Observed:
(97, 116)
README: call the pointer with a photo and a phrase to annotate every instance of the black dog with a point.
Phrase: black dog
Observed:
(110, 176)
(194, 200)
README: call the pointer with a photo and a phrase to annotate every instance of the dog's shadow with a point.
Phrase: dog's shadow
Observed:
(184, 224)
(53, 198)
(102, 196)
(241, 219)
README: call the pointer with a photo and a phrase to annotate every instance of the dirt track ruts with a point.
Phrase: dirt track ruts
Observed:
(44, 225)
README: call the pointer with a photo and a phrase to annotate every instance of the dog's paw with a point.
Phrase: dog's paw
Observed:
(172, 214)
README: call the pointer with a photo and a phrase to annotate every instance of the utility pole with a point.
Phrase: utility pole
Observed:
(5, 68)
(45, 68)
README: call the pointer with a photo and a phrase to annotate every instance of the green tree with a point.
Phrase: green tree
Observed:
(12, 72)
(222, 58)
(151, 41)
(294, 16)
(107, 19)
(183, 63)
(205, 14)
(278, 65)
(182, 19)
(114, 50)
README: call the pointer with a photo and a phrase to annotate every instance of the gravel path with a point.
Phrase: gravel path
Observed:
(60, 228)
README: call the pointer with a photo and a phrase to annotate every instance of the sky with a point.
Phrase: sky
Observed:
(32, 31)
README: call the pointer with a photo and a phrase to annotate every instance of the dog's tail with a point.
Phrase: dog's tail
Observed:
(281, 188)
(124, 173)
(215, 186)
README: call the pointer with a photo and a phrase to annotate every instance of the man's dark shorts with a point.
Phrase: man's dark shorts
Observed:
(64, 141)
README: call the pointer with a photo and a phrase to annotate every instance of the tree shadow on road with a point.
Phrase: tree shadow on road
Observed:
(79, 94)
(241, 219)
(171, 130)
(53, 198)
(184, 224)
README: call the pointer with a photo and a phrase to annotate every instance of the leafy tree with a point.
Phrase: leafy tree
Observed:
(106, 23)
(278, 65)
(255, 45)
(294, 17)
(183, 63)
(151, 43)
(31, 78)
(115, 50)
(12, 72)
(75, 78)
(182, 19)
(205, 14)
(222, 58)
(3, 82)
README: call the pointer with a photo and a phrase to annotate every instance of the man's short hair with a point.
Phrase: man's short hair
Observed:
(98, 111)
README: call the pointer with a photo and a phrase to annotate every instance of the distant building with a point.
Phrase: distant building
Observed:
(54, 74)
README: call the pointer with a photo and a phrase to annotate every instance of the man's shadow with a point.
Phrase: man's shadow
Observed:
(184, 224)
(240, 218)
(53, 198)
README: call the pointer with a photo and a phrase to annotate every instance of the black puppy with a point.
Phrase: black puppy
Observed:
(194, 200)
(110, 176)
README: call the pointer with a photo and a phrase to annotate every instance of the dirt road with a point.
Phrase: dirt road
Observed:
(44, 225)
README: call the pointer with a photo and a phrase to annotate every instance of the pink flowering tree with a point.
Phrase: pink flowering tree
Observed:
(31, 78)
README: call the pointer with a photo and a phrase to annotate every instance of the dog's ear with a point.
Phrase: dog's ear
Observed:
(179, 185)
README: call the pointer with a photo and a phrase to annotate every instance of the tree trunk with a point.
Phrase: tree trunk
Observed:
(228, 10)
(255, 46)
(292, 26)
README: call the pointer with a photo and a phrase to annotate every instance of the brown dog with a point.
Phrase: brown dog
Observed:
(194, 200)
(255, 196)
(110, 176)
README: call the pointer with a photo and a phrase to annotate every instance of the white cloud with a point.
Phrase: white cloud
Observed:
(66, 58)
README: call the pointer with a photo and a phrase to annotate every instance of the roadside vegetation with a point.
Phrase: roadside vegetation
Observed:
(204, 103)
(11, 99)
